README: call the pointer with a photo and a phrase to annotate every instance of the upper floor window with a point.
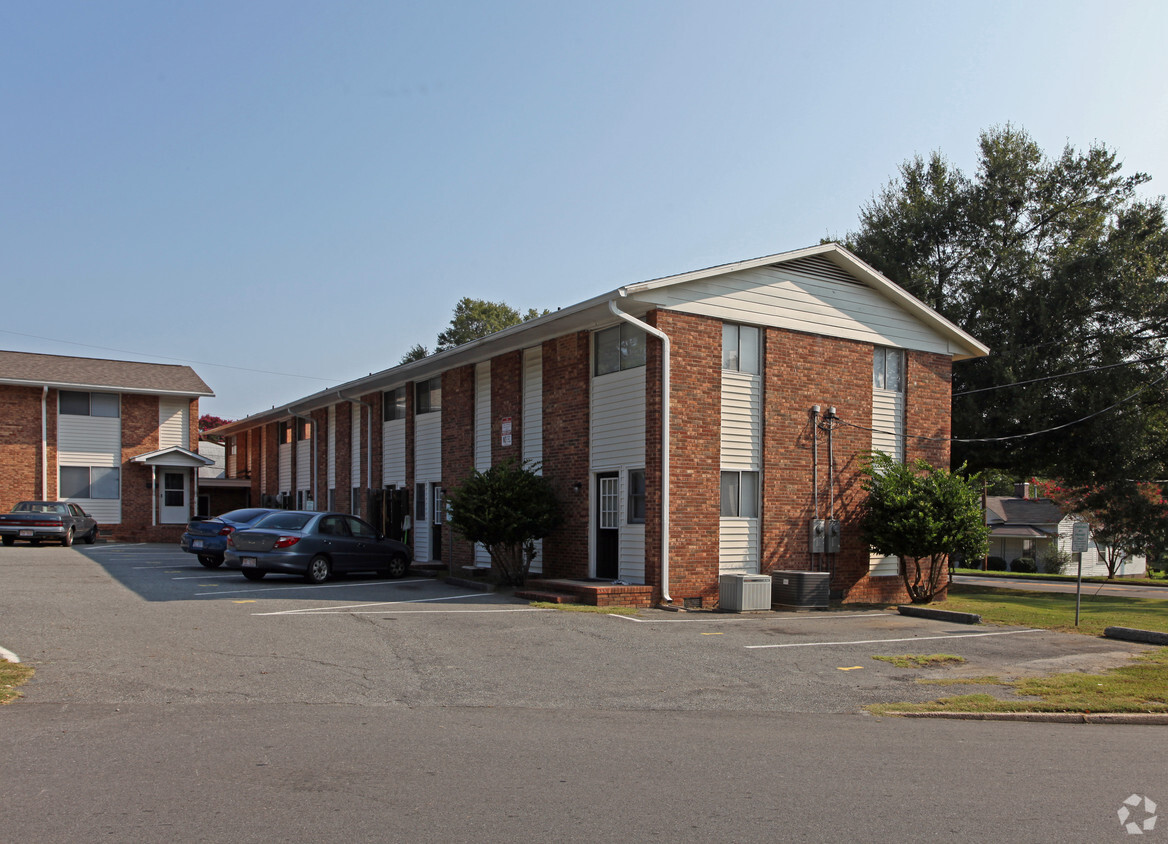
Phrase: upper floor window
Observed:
(620, 347)
(393, 404)
(740, 348)
(74, 403)
(888, 369)
(428, 395)
(285, 432)
(303, 430)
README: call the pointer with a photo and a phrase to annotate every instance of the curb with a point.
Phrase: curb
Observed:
(1145, 718)
(1133, 634)
(940, 615)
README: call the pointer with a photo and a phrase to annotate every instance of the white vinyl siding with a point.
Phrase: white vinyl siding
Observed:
(809, 295)
(393, 452)
(888, 423)
(533, 426)
(233, 457)
(332, 447)
(618, 444)
(427, 470)
(174, 420)
(356, 475)
(879, 566)
(482, 436)
(741, 444)
(91, 441)
(284, 467)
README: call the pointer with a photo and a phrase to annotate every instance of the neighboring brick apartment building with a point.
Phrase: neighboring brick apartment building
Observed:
(753, 347)
(118, 438)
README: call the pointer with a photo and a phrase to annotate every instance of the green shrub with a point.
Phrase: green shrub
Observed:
(995, 564)
(1024, 565)
(1056, 562)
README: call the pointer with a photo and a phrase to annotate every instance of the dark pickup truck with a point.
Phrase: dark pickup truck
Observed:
(56, 521)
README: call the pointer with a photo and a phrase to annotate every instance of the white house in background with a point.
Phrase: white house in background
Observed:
(1021, 526)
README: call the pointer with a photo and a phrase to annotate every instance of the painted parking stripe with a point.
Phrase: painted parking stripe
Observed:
(880, 641)
(274, 587)
(420, 611)
(8, 655)
(724, 620)
(377, 604)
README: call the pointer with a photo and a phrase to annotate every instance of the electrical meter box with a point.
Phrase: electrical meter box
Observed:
(824, 536)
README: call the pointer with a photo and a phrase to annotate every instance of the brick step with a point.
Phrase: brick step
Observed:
(547, 597)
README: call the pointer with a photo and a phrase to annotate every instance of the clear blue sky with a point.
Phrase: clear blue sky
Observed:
(308, 187)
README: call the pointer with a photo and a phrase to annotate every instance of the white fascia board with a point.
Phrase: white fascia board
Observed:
(102, 388)
(966, 345)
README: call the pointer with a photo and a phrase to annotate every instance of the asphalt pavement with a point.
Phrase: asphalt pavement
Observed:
(173, 702)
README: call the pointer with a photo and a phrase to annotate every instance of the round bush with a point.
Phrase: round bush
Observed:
(1024, 565)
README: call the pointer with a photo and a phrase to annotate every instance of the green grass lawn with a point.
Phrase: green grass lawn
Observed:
(1056, 610)
(12, 674)
(1133, 581)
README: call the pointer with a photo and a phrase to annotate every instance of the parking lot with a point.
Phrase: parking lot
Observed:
(147, 623)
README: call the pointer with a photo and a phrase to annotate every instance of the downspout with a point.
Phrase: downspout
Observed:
(45, 445)
(665, 371)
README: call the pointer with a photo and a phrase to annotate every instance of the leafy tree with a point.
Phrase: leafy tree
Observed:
(1060, 267)
(416, 353)
(207, 422)
(475, 318)
(506, 509)
(1125, 517)
(923, 515)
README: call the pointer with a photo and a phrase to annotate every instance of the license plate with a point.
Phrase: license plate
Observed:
(196, 543)
(26, 533)
(248, 562)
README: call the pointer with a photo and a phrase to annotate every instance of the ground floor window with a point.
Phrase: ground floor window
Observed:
(740, 494)
(90, 482)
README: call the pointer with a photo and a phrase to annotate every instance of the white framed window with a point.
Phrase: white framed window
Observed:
(90, 482)
(740, 494)
(888, 369)
(618, 348)
(636, 497)
(741, 348)
(610, 502)
(393, 404)
(76, 403)
(428, 396)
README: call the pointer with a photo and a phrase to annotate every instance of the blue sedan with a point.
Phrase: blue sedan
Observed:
(314, 546)
(207, 538)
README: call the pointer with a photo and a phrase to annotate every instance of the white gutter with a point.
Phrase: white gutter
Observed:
(45, 445)
(664, 338)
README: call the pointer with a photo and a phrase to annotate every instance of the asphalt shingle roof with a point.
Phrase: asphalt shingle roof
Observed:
(96, 373)
(1004, 509)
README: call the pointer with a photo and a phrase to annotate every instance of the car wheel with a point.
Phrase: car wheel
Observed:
(209, 561)
(10, 540)
(68, 540)
(91, 537)
(252, 574)
(319, 569)
(397, 566)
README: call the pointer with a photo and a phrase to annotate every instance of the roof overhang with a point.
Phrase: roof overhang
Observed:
(102, 388)
(174, 457)
(1018, 532)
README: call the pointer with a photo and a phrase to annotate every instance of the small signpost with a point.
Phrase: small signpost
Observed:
(1080, 539)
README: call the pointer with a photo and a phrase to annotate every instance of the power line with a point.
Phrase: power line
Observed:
(178, 360)
(1063, 375)
(1011, 436)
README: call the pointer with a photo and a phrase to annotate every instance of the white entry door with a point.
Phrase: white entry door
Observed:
(173, 492)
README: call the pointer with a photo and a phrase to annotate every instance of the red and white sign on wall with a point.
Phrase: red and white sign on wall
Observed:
(506, 440)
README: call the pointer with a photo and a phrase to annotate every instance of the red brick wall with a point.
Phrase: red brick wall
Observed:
(344, 416)
(928, 398)
(695, 408)
(566, 379)
(139, 436)
(458, 404)
(320, 434)
(507, 401)
(20, 444)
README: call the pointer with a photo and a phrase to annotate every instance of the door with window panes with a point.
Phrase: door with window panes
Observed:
(173, 492)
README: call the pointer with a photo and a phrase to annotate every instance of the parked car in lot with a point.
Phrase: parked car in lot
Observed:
(315, 546)
(57, 521)
(207, 538)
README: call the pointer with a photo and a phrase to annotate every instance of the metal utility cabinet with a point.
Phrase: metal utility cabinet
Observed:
(744, 592)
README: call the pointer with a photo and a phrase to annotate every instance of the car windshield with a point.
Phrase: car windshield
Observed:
(39, 507)
(283, 521)
(244, 516)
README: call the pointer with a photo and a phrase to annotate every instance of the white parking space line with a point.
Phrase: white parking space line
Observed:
(349, 607)
(277, 586)
(724, 619)
(879, 641)
(419, 611)
(8, 655)
(232, 575)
